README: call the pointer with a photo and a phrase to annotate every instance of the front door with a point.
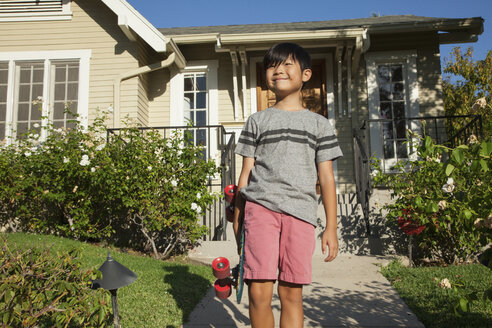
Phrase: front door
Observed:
(314, 93)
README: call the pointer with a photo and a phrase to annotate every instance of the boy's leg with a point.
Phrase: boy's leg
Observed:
(292, 314)
(260, 303)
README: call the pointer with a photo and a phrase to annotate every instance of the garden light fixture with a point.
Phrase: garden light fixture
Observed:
(114, 276)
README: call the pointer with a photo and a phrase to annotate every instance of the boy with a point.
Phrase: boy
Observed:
(285, 149)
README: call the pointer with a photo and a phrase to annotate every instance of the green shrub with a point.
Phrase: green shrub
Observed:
(139, 189)
(451, 198)
(41, 289)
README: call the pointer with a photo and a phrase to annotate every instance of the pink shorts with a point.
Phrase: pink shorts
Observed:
(276, 241)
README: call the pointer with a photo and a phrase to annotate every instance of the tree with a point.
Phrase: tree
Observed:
(471, 93)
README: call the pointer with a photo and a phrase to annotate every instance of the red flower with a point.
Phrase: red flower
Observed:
(409, 226)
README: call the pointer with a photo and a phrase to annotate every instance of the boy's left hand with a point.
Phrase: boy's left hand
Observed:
(329, 239)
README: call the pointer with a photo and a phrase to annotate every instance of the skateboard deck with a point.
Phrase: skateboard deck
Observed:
(240, 280)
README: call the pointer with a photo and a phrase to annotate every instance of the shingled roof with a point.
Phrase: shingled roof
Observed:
(386, 22)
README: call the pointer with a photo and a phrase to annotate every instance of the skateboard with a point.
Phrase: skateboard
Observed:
(227, 277)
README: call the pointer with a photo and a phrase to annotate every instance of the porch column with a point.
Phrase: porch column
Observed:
(244, 62)
(234, 59)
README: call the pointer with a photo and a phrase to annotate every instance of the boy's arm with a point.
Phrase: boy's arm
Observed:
(328, 194)
(237, 223)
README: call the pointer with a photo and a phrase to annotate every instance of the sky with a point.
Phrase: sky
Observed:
(182, 13)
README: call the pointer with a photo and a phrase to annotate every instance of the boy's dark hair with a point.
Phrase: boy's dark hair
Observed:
(281, 52)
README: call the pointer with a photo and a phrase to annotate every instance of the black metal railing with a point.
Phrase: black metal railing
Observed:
(396, 129)
(362, 177)
(218, 145)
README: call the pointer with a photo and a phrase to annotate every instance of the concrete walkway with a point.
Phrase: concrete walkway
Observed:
(348, 292)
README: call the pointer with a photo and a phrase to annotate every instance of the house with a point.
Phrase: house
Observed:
(103, 54)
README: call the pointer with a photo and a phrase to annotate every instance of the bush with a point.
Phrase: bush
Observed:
(450, 200)
(40, 289)
(77, 184)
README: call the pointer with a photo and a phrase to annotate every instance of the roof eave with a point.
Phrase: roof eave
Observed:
(469, 29)
(128, 17)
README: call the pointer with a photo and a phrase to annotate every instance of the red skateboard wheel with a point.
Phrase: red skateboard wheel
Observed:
(230, 192)
(230, 213)
(221, 268)
(222, 288)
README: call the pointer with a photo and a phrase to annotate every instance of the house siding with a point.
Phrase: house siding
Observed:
(93, 26)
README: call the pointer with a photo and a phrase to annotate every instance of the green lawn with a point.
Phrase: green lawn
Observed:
(434, 305)
(164, 293)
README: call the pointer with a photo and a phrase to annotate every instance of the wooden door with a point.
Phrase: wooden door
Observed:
(313, 95)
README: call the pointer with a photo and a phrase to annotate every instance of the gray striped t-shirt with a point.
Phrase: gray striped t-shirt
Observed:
(286, 146)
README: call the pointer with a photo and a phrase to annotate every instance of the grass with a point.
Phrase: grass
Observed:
(434, 305)
(164, 293)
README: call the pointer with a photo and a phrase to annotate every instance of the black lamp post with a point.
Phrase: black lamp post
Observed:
(114, 276)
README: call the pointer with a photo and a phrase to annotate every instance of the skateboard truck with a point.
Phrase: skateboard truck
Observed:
(226, 277)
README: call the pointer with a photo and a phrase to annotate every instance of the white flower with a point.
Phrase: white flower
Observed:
(449, 186)
(36, 125)
(174, 183)
(442, 204)
(198, 196)
(27, 153)
(480, 103)
(195, 208)
(36, 136)
(66, 160)
(374, 173)
(74, 190)
(85, 160)
(179, 152)
(100, 147)
(149, 168)
(93, 169)
(445, 283)
(110, 108)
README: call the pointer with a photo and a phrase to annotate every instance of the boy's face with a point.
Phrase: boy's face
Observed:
(287, 77)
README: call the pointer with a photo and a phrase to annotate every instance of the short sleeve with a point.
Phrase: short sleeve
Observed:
(327, 144)
(248, 140)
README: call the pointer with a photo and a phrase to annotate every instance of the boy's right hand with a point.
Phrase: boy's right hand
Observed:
(329, 239)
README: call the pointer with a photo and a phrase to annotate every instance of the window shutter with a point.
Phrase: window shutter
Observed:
(33, 6)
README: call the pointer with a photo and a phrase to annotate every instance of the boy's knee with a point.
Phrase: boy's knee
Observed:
(260, 292)
(291, 293)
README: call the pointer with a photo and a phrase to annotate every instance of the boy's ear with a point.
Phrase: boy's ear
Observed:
(306, 75)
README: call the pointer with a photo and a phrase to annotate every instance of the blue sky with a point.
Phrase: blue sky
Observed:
(162, 13)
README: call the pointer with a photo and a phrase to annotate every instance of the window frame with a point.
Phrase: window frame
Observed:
(47, 57)
(210, 68)
(64, 14)
(408, 60)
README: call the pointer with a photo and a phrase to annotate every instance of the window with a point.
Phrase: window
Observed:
(35, 92)
(65, 93)
(195, 108)
(194, 98)
(15, 10)
(393, 97)
(392, 107)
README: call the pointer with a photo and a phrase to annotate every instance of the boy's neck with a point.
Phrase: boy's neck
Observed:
(292, 102)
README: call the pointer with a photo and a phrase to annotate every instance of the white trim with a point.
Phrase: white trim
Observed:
(177, 90)
(83, 56)
(63, 14)
(130, 17)
(408, 59)
(252, 83)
